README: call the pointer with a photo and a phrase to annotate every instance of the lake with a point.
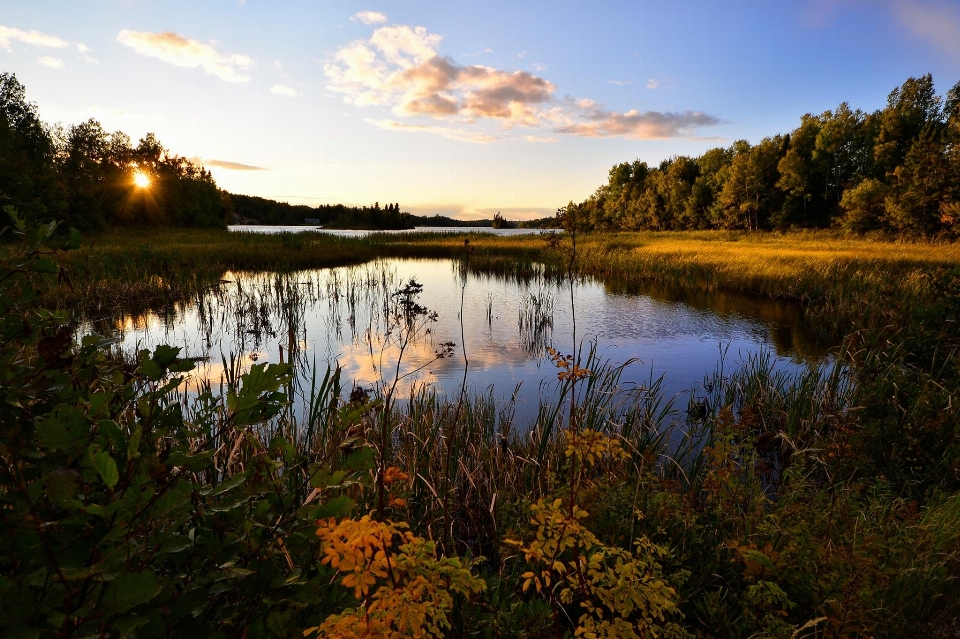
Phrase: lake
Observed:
(273, 230)
(342, 315)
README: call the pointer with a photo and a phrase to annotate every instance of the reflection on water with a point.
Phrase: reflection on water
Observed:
(274, 230)
(343, 316)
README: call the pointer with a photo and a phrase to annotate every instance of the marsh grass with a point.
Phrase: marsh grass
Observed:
(824, 502)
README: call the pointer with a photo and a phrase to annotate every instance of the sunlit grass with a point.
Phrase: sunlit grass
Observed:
(834, 275)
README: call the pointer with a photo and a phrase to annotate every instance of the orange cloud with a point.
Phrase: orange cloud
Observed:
(400, 66)
(648, 125)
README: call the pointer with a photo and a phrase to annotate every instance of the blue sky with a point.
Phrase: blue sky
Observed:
(459, 107)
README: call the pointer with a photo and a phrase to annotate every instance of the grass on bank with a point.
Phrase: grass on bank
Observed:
(802, 516)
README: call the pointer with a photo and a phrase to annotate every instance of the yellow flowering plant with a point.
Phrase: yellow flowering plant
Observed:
(403, 588)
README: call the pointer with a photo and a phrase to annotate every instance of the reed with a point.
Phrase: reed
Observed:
(824, 502)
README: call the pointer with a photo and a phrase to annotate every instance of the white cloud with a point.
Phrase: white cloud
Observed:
(35, 38)
(454, 134)
(652, 83)
(537, 138)
(369, 17)
(226, 164)
(937, 23)
(50, 61)
(82, 48)
(179, 51)
(279, 89)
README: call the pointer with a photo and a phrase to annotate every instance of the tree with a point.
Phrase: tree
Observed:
(863, 205)
(910, 107)
(28, 177)
(842, 152)
(750, 195)
(922, 184)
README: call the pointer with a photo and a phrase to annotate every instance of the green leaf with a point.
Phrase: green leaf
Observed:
(73, 242)
(43, 265)
(129, 590)
(133, 446)
(112, 431)
(151, 370)
(61, 487)
(105, 466)
(360, 459)
(322, 478)
(337, 507)
(230, 484)
(64, 430)
(164, 355)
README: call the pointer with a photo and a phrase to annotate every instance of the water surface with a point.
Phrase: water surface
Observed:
(341, 316)
(276, 229)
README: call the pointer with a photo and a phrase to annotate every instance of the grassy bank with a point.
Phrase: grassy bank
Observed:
(833, 274)
(822, 505)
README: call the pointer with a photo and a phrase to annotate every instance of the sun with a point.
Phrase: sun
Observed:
(141, 180)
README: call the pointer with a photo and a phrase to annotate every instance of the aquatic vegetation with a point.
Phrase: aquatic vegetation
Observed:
(819, 504)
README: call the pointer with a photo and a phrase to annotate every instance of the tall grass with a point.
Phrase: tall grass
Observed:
(825, 501)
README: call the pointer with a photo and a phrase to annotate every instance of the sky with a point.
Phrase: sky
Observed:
(461, 107)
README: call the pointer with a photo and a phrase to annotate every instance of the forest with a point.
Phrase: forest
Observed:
(80, 175)
(895, 170)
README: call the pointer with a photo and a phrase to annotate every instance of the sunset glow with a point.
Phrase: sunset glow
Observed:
(141, 180)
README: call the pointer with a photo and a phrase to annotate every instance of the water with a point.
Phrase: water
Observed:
(341, 316)
(273, 230)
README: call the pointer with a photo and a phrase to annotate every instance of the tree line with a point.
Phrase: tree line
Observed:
(83, 175)
(248, 209)
(896, 170)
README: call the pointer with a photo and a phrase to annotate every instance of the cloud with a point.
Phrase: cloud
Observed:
(279, 89)
(50, 61)
(230, 166)
(621, 83)
(460, 135)
(652, 83)
(401, 67)
(537, 138)
(179, 51)
(369, 17)
(35, 38)
(649, 125)
(937, 23)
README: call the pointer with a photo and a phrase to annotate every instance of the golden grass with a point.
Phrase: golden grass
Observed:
(830, 272)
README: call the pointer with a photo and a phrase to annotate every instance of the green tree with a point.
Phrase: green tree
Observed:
(910, 107)
(921, 185)
(749, 194)
(843, 152)
(864, 205)
(27, 156)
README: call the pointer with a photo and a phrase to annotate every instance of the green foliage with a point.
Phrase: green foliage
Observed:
(894, 169)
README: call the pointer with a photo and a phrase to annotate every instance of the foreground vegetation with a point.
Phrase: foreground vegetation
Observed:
(822, 506)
